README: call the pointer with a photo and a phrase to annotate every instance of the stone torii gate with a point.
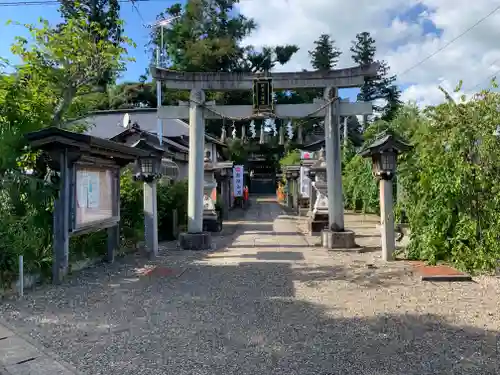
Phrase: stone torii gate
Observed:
(198, 110)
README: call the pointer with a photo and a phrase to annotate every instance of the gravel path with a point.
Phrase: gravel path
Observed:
(268, 303)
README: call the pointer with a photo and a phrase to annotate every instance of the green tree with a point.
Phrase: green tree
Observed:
(68, 60)
(382, 86)
(102, 13)
(59, 68)
(325, 54)
(363, 53)
(206, 36)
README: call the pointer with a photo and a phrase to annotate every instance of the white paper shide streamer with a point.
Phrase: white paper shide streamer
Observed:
(233, 132)
(289, 129)
(270, 123)
(253, 133)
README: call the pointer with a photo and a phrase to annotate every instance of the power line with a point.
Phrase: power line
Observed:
(138, 12)
(56, 2)
(450, 42)
(484, 80)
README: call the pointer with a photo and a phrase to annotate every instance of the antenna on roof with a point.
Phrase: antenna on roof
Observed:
(126, 120)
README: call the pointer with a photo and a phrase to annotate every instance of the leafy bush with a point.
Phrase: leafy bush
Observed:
(450, 181)
(22, 236)
(131, 209)
(292, 157)
(171, 197)
(360, 188)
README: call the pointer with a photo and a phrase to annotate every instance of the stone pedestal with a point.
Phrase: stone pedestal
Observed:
(211, 221)
(195, 241)
(306, 190)
(318, 223)
(387, 220)
(151, 218)
(338, 240)
(289, 197)
(292, 173)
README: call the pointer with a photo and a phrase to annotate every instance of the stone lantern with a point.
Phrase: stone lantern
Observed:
(319, 215)
(223, 176)
(148, 170)
(211, 221)
(307, 159)
(292, 173)
(383, 152)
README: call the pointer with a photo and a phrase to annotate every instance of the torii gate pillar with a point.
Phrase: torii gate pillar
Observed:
(195, 238)
(335, 237)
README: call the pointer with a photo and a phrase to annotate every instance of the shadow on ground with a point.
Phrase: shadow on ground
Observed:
(244, 319)
(237, 320)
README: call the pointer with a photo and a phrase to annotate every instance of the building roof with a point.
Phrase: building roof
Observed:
(123, 135)
(50, 138)
(108, 124)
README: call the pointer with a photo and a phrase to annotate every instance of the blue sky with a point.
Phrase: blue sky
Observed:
(134, 28)
(146, 12)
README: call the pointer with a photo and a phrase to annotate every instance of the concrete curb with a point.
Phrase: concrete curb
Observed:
(19, 354)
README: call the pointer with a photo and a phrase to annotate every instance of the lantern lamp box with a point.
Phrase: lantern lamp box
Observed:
(383, 151)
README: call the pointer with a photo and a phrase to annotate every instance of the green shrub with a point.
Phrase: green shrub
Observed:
(360, 188)
(22, 236)
(171, 197)
(450, 181)
(131, 209)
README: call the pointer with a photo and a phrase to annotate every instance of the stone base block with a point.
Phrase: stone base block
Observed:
(195, 241)
(338, 240)
(318, 222)
(317, 226)
(212, 223)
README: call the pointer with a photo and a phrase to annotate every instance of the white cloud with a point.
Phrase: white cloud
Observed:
(401, 42)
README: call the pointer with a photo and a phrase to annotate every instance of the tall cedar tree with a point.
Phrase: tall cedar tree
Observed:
(382, 85)
(105, 13)
(325, 54)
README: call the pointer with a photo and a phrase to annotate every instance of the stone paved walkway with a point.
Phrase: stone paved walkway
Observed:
(268, 302)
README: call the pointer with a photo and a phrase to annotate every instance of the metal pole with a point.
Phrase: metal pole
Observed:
(159, 122)
(21, 276)
(333, 162)
(161, 48)
(345, 131)
(158, 107)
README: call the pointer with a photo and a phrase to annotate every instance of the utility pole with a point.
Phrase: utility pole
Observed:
(160, 62)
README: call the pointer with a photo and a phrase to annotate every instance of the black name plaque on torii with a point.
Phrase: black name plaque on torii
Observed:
(263, 94)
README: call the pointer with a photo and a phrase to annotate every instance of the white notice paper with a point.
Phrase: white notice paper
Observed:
(82, 183)
(93, 190)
